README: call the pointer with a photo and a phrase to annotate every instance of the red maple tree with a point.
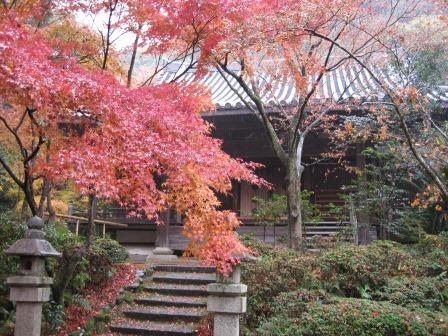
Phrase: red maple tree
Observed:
(146, 148)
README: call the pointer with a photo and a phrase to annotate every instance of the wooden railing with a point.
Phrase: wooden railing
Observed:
(83, 221)
(273, 234)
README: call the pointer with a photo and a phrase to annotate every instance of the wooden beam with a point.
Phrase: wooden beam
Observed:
(97, 221)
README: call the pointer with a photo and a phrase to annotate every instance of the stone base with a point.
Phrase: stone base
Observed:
(163, 254)
(162, 251)
(28, 319)
(227, 305)
(226, 325)
(163, 258)
(138, 258)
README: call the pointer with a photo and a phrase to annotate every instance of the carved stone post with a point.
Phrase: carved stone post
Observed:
(30, 288)
(227, 300)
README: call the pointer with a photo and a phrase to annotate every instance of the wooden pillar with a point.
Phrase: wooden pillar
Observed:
(163, 252)
(163, 230)
(364, 220)
(236, 192)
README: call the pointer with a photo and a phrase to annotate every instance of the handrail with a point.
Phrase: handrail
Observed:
(99, 221)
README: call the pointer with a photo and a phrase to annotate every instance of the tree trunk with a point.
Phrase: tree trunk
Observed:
(29, 195)
(45, 191)
(24, 210)
(134, 55)
(91, 215)
(51, 210)
(70, 262)
(295, 222)
(43, 197)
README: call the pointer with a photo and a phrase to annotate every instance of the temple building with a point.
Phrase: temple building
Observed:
(244, 137)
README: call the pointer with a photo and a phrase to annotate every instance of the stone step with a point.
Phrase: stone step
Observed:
(176, 289)
(185, 268)
(165, 313)
(328, 227)
(184, 278)
(173, 301)
(153, 328)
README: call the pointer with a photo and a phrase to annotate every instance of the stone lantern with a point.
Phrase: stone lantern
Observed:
(30, 288)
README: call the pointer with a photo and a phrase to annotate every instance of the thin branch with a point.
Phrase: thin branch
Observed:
(297, 121)
(10, 172)
(36, 149)
(16, 136)
(21, 120)
(275, 141)
(134, 55)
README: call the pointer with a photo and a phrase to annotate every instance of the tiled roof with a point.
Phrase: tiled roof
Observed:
(345, 82)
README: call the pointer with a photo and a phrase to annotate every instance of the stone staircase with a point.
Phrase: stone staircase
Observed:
(171, 302)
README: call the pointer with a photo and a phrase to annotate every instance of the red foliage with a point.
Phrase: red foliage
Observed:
(98, 297)
(146, 148)
(152, 151)
(205, 327)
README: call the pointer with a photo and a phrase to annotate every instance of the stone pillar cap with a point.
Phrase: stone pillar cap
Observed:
(35, 222)
(33, 245)
(29, 280)
(219, 289)
(246, 257)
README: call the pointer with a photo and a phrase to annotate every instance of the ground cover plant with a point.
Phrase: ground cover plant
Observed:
(385, 288)
(92, 312)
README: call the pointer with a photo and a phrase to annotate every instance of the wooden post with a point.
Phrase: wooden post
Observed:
(104, 231)
(354, 222)
(163, 252)
(264, 233)
(163, 230)
(77, 228)
(275, 238)
(91, 216)
(364, 220)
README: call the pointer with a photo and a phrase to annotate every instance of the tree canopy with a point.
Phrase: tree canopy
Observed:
(146, 148)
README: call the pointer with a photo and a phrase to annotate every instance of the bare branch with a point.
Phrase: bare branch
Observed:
(275, 141)
(16, 137)
(36, 149)
(21, 120)
(10, 172)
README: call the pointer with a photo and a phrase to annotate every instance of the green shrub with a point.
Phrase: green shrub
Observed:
(415, 293)
(282, 270)
(58, 234)
(346, 270)
(70, 271)
(114, 252)
(352, 317)
(11, 229)
(257, 246)
(295, 303)
(433, 252)
(72, 248)
(289, 294)
(53, 316)
(428, 242)
(104, 254)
